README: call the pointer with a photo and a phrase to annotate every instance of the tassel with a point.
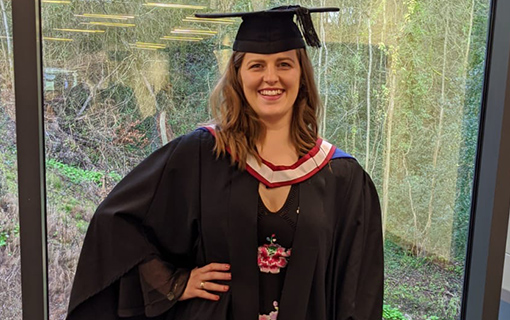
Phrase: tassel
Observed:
(306, 26)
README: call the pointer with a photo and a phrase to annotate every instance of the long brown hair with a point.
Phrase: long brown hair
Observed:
(238, 128)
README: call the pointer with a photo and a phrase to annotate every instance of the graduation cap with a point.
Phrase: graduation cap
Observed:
(273, 30)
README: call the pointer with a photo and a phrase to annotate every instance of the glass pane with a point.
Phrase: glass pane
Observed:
(401, 83)
(427, 163)
(10, 276)
(114, 92)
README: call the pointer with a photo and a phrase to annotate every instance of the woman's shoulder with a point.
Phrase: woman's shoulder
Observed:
(191, 140)
(200, 134)
(344, 165)
(184, 147)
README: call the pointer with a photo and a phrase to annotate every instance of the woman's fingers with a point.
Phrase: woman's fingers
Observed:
(211, 286)
(215, 267)
(214, 275)
(201, 281)
(206, 295)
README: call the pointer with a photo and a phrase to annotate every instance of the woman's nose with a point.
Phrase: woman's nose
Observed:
(271, 75)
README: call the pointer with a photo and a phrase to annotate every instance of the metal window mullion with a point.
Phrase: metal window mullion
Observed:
(491, 191)
(26, 20)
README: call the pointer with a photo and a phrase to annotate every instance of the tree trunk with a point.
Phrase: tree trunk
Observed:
(163, 132)
(319, 76)
(439, 134)
(369, 76)
(465, 63)
(416, 245)
(387, 150)
(324, 48)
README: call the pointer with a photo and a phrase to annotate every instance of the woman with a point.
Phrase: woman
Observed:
(208, 227)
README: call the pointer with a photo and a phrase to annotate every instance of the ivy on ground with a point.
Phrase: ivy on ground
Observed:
(78, 175)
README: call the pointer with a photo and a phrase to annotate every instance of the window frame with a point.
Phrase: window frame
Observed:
(491, 185)
(491, 188)
(28, 90)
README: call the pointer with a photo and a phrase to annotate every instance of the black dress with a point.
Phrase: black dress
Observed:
(189, 208)
(275, 236)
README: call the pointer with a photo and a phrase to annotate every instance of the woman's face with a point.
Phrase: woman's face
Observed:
(271, 84)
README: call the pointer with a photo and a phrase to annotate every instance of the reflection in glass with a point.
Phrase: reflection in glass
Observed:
(10, 276)
(401, 85)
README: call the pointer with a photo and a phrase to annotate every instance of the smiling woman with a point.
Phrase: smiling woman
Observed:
(253, 216)
(231, 105)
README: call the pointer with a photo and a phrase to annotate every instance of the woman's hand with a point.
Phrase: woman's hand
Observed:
(199, 283)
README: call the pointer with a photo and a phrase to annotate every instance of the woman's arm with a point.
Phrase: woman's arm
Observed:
(118, 238)
(358, 254)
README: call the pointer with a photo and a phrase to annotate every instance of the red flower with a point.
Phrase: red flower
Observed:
(272, 257)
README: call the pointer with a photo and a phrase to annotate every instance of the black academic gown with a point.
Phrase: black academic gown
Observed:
(191, 209)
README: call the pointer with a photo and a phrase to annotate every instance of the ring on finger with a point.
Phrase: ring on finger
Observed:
(202, 285)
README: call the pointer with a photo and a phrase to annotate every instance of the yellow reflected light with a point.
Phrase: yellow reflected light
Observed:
(56, 1)
(146, 48)
(148, 45)
(173, 5)
(110, 24)
(194, 31)
(105, 16)
(57, 39)
(207, 20)
(182, 38)
(80, 30)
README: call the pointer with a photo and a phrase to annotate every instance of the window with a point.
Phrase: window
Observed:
(401, 83)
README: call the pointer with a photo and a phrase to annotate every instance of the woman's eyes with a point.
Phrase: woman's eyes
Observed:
(281, 65)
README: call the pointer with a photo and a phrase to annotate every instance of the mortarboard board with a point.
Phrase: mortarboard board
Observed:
(273, 30)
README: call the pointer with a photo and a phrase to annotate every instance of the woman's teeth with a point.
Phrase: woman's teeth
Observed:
(271, 92)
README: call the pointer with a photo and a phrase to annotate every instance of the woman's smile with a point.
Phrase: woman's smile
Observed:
(271, 94)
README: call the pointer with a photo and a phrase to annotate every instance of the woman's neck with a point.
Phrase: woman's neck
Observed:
(277, 147)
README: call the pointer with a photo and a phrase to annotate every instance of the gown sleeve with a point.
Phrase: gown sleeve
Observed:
(159, 286)
(359, 253)
(147, 223)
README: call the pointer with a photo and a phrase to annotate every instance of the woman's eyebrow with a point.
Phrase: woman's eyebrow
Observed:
(264, 61)
(255, 60)
(285, 59)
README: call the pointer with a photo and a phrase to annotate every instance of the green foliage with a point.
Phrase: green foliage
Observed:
(82, 226)
(196, 71)
(390, 313)
(8, 167)
(78, 175)
(422, 287)
(54, 180)
(469, 133)
(6, 234)
(69, 205)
